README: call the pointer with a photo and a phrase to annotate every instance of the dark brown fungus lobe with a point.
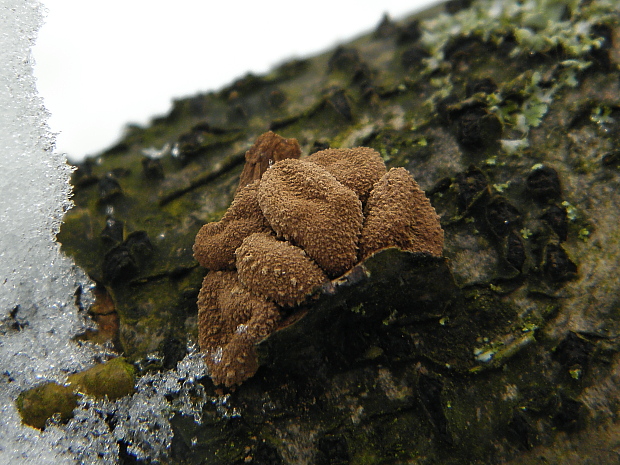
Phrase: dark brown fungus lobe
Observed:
(515, 250)
(276, 99)
(123, 261)
(109, 188)
(410, 32)
(230, 321)
(268, 149)
(477, 128)
(398, 214)
(152, 168)
(83, 176)
(307, 206)
(600, 56)
(502, 216)
(574, 351)
(446, 109)
(139, 245)
(191, 143)
(429, 390)
(557, 219)
(339, 101)
(412, 57)
(216, 242)
(112, 233)
(358, 168)
(520, 429)
(344, 59)
(118, 265)
(472, 186)
(454, 6)
(557, 265)
(237, 113)
(570, 414)
(363, 76)
(385, 28)
(277, 270)
(544, 184)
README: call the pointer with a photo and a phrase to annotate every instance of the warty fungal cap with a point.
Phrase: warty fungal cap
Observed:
(398, 214)
(277, 270)
(216, 242)
(231, 321)
(358, 168)
(309, 207)
(268, 149)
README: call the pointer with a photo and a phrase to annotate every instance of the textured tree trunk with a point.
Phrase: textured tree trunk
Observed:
(508, 116)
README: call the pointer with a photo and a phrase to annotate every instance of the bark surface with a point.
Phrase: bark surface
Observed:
(507, 349)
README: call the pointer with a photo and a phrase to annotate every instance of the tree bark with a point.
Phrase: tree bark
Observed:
(510, 122)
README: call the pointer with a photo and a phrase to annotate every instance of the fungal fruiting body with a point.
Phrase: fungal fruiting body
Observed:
(277, 270)
(291, 227)
(216, 242)
(231, 320)
(398, 214)
(268, 149)
(358, 169)
(305, 204)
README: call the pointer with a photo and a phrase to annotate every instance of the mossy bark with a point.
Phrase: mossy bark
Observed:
(512, 128)
(112, 379)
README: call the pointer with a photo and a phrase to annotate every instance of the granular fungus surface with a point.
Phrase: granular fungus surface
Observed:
(295, 225)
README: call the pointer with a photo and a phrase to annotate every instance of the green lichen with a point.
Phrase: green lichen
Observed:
(501, 187)
(571, 211)
(601, 115)
(584, 234)
(495, 353)
(538, 27)
(525, 233)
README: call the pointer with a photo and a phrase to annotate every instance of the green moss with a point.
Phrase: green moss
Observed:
(398, 147)
(40, 403)
(112, 379)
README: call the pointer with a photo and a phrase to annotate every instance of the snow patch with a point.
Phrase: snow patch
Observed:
(39, 316)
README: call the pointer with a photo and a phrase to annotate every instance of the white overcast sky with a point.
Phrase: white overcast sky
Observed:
(101, 65)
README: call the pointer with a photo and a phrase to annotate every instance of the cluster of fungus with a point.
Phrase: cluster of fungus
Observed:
(293, 225)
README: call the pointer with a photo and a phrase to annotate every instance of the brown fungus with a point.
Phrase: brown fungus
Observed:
(268, 149)
(358, 168)
(216, 242)
(295, 226)
(277, 270)
(398, 214)
(231, 321)
(307, 206)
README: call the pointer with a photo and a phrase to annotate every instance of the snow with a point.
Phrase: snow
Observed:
(37, 283)
(39, 315)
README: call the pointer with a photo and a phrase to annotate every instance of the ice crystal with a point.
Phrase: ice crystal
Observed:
(38, 315)
(38, 286)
